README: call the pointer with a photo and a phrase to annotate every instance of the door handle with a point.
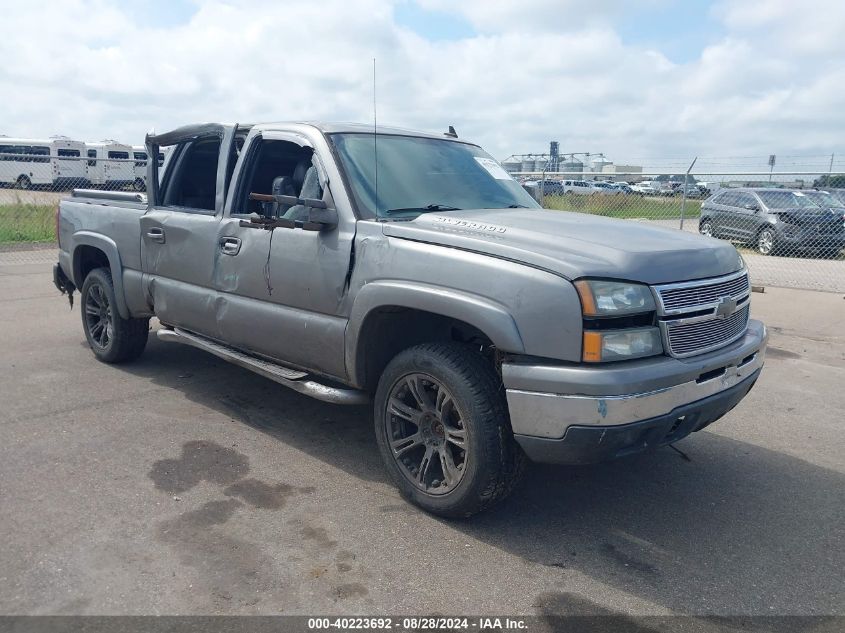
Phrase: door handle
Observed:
(156, 234)
(230, 245)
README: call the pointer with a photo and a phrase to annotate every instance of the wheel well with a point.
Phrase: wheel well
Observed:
(388, 330)
(86, 259)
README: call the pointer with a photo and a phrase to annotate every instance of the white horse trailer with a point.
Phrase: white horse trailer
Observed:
(110, 164)
(53, 162)
(69, 168)
(139, 155)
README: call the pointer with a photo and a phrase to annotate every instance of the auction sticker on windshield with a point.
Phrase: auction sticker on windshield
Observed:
(493, 168)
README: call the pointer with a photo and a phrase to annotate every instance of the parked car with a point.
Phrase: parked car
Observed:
(577, 186)
(839, 194)
(550, 187)
(643, 189)
(828, 200)
(605, 189)
(709, 187)
(541, 188)
(483, 328)
(773, 221)
(692, 191)
(622, 187)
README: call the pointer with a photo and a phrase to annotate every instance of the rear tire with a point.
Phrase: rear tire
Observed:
(443, 430)
(112, 338)
(24, 183)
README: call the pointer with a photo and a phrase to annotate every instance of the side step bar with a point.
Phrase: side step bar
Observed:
(291, 378)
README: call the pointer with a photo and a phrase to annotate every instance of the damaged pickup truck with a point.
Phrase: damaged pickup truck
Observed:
(410, 270)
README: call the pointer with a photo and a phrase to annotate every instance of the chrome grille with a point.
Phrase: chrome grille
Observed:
(686, 339)
(696, 317)
(690, 295)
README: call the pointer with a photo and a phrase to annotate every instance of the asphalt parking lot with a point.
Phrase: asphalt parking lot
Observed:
(183, 485)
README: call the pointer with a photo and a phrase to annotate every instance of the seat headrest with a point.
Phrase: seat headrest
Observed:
(299, 172)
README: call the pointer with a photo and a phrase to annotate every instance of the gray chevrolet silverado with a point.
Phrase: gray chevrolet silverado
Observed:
(410, 270)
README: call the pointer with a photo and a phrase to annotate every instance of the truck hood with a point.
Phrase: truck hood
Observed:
(576, 245)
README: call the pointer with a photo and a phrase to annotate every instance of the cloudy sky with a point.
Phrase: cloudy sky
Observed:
(643, 81)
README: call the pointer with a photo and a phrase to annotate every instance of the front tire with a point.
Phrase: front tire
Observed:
(24, 183)
(766, 242)
(706, 228)
(112, 338)
(443, 430)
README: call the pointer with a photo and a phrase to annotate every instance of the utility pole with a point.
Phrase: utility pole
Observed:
(684, 199)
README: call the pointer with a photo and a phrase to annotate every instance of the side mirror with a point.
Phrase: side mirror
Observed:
(320, 218)
(751, 207)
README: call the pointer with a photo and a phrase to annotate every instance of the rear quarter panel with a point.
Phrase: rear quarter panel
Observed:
(115, 229)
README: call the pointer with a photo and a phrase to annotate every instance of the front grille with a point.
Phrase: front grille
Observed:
(685, 296)
(686, 339)
(695, 316)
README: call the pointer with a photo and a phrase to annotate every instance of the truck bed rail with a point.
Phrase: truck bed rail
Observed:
(122, 196)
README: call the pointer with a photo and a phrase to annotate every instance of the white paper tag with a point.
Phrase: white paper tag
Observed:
(493, 168)
(798, 193)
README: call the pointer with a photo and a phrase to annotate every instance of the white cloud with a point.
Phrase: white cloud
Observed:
(535, 15)
(538, 70)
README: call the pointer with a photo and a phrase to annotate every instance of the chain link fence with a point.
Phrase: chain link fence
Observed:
(789, 226)
(35, 175)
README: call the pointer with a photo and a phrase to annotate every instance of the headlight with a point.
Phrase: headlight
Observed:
(613, 298)
(610, 345)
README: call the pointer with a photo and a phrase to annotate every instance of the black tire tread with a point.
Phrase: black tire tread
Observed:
(488, 398)
(130, 335)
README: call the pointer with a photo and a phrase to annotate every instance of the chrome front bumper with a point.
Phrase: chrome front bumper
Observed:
(545, 401)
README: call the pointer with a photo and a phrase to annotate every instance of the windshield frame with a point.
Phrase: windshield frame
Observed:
(361, 211)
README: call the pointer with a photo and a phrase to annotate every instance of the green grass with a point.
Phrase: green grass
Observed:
(625, 206)
(21, 222)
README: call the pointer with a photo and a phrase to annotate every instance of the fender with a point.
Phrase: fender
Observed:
(488, 316)
(109, 247)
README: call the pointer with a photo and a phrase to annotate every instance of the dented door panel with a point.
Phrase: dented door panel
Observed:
(283, 295)
(180, 268)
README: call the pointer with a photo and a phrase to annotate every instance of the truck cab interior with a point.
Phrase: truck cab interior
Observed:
(193, 181)
(273, 167)
(281, 168)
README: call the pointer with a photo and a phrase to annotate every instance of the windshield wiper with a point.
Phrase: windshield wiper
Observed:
(517, 206)
(430, 207)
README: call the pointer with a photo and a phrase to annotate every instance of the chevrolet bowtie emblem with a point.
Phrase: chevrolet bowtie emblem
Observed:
(725, 308)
